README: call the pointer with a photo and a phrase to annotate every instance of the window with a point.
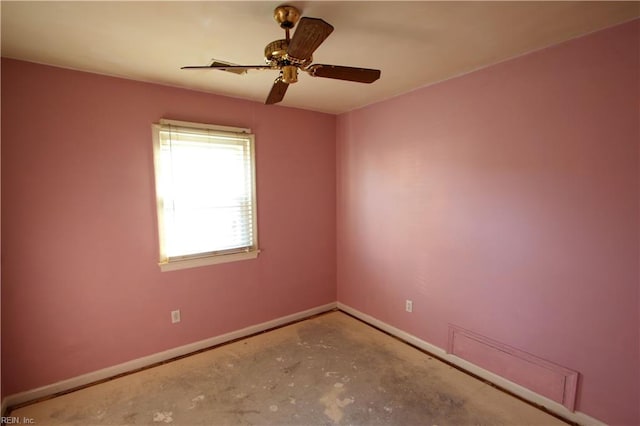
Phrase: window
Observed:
(205, 190)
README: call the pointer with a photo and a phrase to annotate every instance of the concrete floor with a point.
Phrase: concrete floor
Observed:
(328, 370)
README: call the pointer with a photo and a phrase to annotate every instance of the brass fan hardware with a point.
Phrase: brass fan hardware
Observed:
(286, 16)
(294, 53)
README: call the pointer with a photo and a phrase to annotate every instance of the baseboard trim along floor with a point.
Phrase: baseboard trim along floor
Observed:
(515, 389)
(331, 368)
(13, 401)
(18, 399)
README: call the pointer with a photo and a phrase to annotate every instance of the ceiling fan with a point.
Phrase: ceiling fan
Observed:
(294, 53)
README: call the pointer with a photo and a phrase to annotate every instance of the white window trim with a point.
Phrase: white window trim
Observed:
(174, 265)
(202, 259)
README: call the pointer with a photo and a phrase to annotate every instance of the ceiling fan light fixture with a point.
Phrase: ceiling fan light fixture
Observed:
(289, 74)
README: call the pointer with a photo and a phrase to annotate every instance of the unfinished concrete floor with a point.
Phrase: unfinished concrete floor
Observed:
(328, 370)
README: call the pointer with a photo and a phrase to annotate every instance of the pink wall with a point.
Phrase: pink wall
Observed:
(81, 289)
(506, 201)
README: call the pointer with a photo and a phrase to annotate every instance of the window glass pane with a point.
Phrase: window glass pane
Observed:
(206, 188)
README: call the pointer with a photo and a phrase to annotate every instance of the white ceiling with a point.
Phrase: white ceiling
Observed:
(413, 43)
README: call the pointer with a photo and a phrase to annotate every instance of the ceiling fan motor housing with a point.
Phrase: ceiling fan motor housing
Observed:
(276, 51)
(275, 55)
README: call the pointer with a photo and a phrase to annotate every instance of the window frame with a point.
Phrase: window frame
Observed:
(167, 263)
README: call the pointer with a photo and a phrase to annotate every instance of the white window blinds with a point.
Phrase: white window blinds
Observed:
(205, 189)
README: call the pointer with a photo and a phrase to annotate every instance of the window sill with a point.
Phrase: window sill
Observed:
(196, 262)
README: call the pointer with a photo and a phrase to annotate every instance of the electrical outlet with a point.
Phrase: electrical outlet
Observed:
(175, 316)
(408, 306)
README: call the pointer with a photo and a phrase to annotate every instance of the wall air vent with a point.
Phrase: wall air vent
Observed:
(536, 374)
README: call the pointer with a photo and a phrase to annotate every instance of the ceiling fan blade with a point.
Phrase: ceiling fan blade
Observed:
(310, 34)
(236, 69)
(360, 75)
(227, 67)
(277, 92)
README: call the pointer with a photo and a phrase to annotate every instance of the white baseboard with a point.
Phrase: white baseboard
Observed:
(106, 373)
(146, 361)
(514, 388)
